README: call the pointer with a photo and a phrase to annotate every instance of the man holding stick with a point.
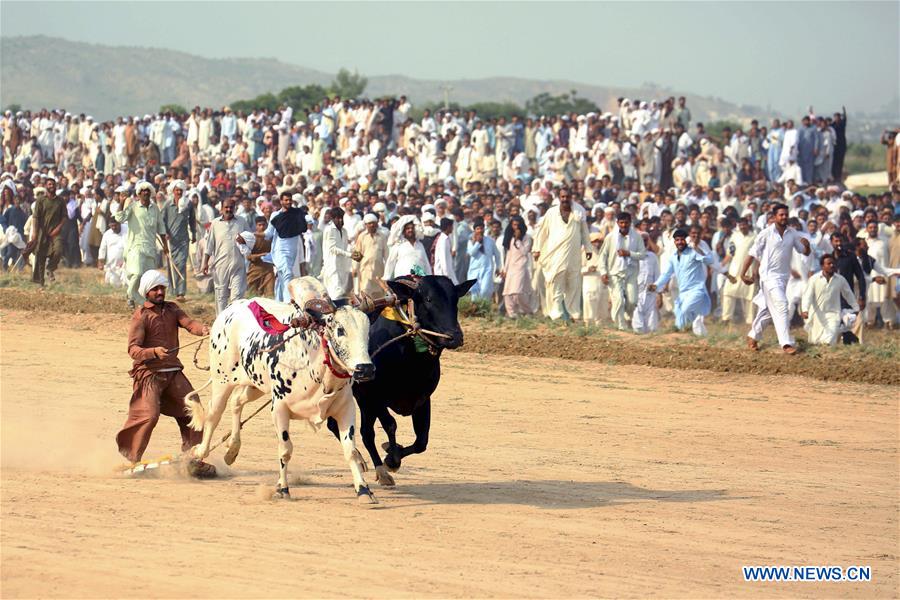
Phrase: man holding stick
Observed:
(159, 382)
(145, 222)
(176, 214)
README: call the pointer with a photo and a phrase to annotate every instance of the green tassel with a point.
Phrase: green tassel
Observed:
(420, 344)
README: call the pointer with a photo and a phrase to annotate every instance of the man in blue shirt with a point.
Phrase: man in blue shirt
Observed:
(484, 262)
(688, 265)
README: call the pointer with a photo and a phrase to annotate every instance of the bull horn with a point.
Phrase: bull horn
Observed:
(320, 305)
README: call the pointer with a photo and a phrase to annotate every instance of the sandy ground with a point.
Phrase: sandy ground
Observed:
(876, 179)
(544, 478)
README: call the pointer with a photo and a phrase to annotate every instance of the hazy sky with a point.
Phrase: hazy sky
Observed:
(787, 54)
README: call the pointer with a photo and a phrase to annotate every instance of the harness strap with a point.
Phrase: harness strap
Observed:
(328, 363)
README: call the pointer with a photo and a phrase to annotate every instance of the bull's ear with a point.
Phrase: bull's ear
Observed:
(463, 288)
(401, 288)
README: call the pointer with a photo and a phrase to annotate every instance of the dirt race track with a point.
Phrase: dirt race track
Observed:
(544, 478)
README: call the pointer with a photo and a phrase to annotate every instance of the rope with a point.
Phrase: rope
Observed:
(282, 342)
(196, 353)
(414, 330)
(228, 435)
(167, 460)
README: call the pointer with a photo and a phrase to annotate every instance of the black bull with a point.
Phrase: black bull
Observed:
(405, 375)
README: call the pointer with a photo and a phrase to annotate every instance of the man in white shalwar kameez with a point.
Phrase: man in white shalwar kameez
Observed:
(443, 252)
(738, 292)
(406, 254)
(595, 296)
(801, 269)
(620, 257)
(646, 313)
(562, 235)
(821, 304)
(772, 248)
(337, 257)
(878, 293)
(112, 255)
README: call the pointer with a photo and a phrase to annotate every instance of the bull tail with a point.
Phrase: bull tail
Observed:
(194, 407)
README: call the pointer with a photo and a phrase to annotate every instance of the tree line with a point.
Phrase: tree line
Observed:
(352, 85)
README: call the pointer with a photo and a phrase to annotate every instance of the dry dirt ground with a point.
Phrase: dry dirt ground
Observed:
(544, 478)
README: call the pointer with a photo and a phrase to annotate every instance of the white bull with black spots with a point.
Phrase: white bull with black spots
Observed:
(309, 378)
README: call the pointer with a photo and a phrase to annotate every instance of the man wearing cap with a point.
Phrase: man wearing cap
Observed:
(371, 244)
(159, 382)
(336, 260)
(145, 226)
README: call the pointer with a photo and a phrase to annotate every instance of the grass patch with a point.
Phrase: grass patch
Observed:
(475, 307)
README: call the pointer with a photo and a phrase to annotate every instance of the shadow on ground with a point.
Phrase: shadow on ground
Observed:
(549, 494)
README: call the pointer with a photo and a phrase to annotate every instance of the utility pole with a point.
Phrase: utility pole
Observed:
(447, 89)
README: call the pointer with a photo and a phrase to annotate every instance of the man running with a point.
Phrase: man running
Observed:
(159, 383)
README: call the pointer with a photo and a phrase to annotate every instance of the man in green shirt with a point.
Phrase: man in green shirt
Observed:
(145, 223)
(48, 215)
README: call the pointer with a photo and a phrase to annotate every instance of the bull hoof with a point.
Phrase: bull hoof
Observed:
(391, 463)
(232, 453)
(365, 497)
(383, 477)
(281, 494)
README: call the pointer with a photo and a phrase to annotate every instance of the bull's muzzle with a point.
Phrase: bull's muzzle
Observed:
(364, 372)
(455, 341)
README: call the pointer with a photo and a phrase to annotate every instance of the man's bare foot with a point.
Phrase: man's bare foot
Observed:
(789, 350)
(752, 344)
(181, 298)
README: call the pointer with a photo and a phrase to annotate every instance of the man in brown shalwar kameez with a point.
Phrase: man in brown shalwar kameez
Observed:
(261, 274)
(159, 383)
(132, 143)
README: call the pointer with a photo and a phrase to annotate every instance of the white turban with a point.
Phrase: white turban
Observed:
(178, 183)
(397, 229)
(144, 185)
(150, 280)
(8, 183)
(298, 200)
(370, 218)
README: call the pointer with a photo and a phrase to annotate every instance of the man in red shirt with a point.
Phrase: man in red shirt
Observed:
(159, 382)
